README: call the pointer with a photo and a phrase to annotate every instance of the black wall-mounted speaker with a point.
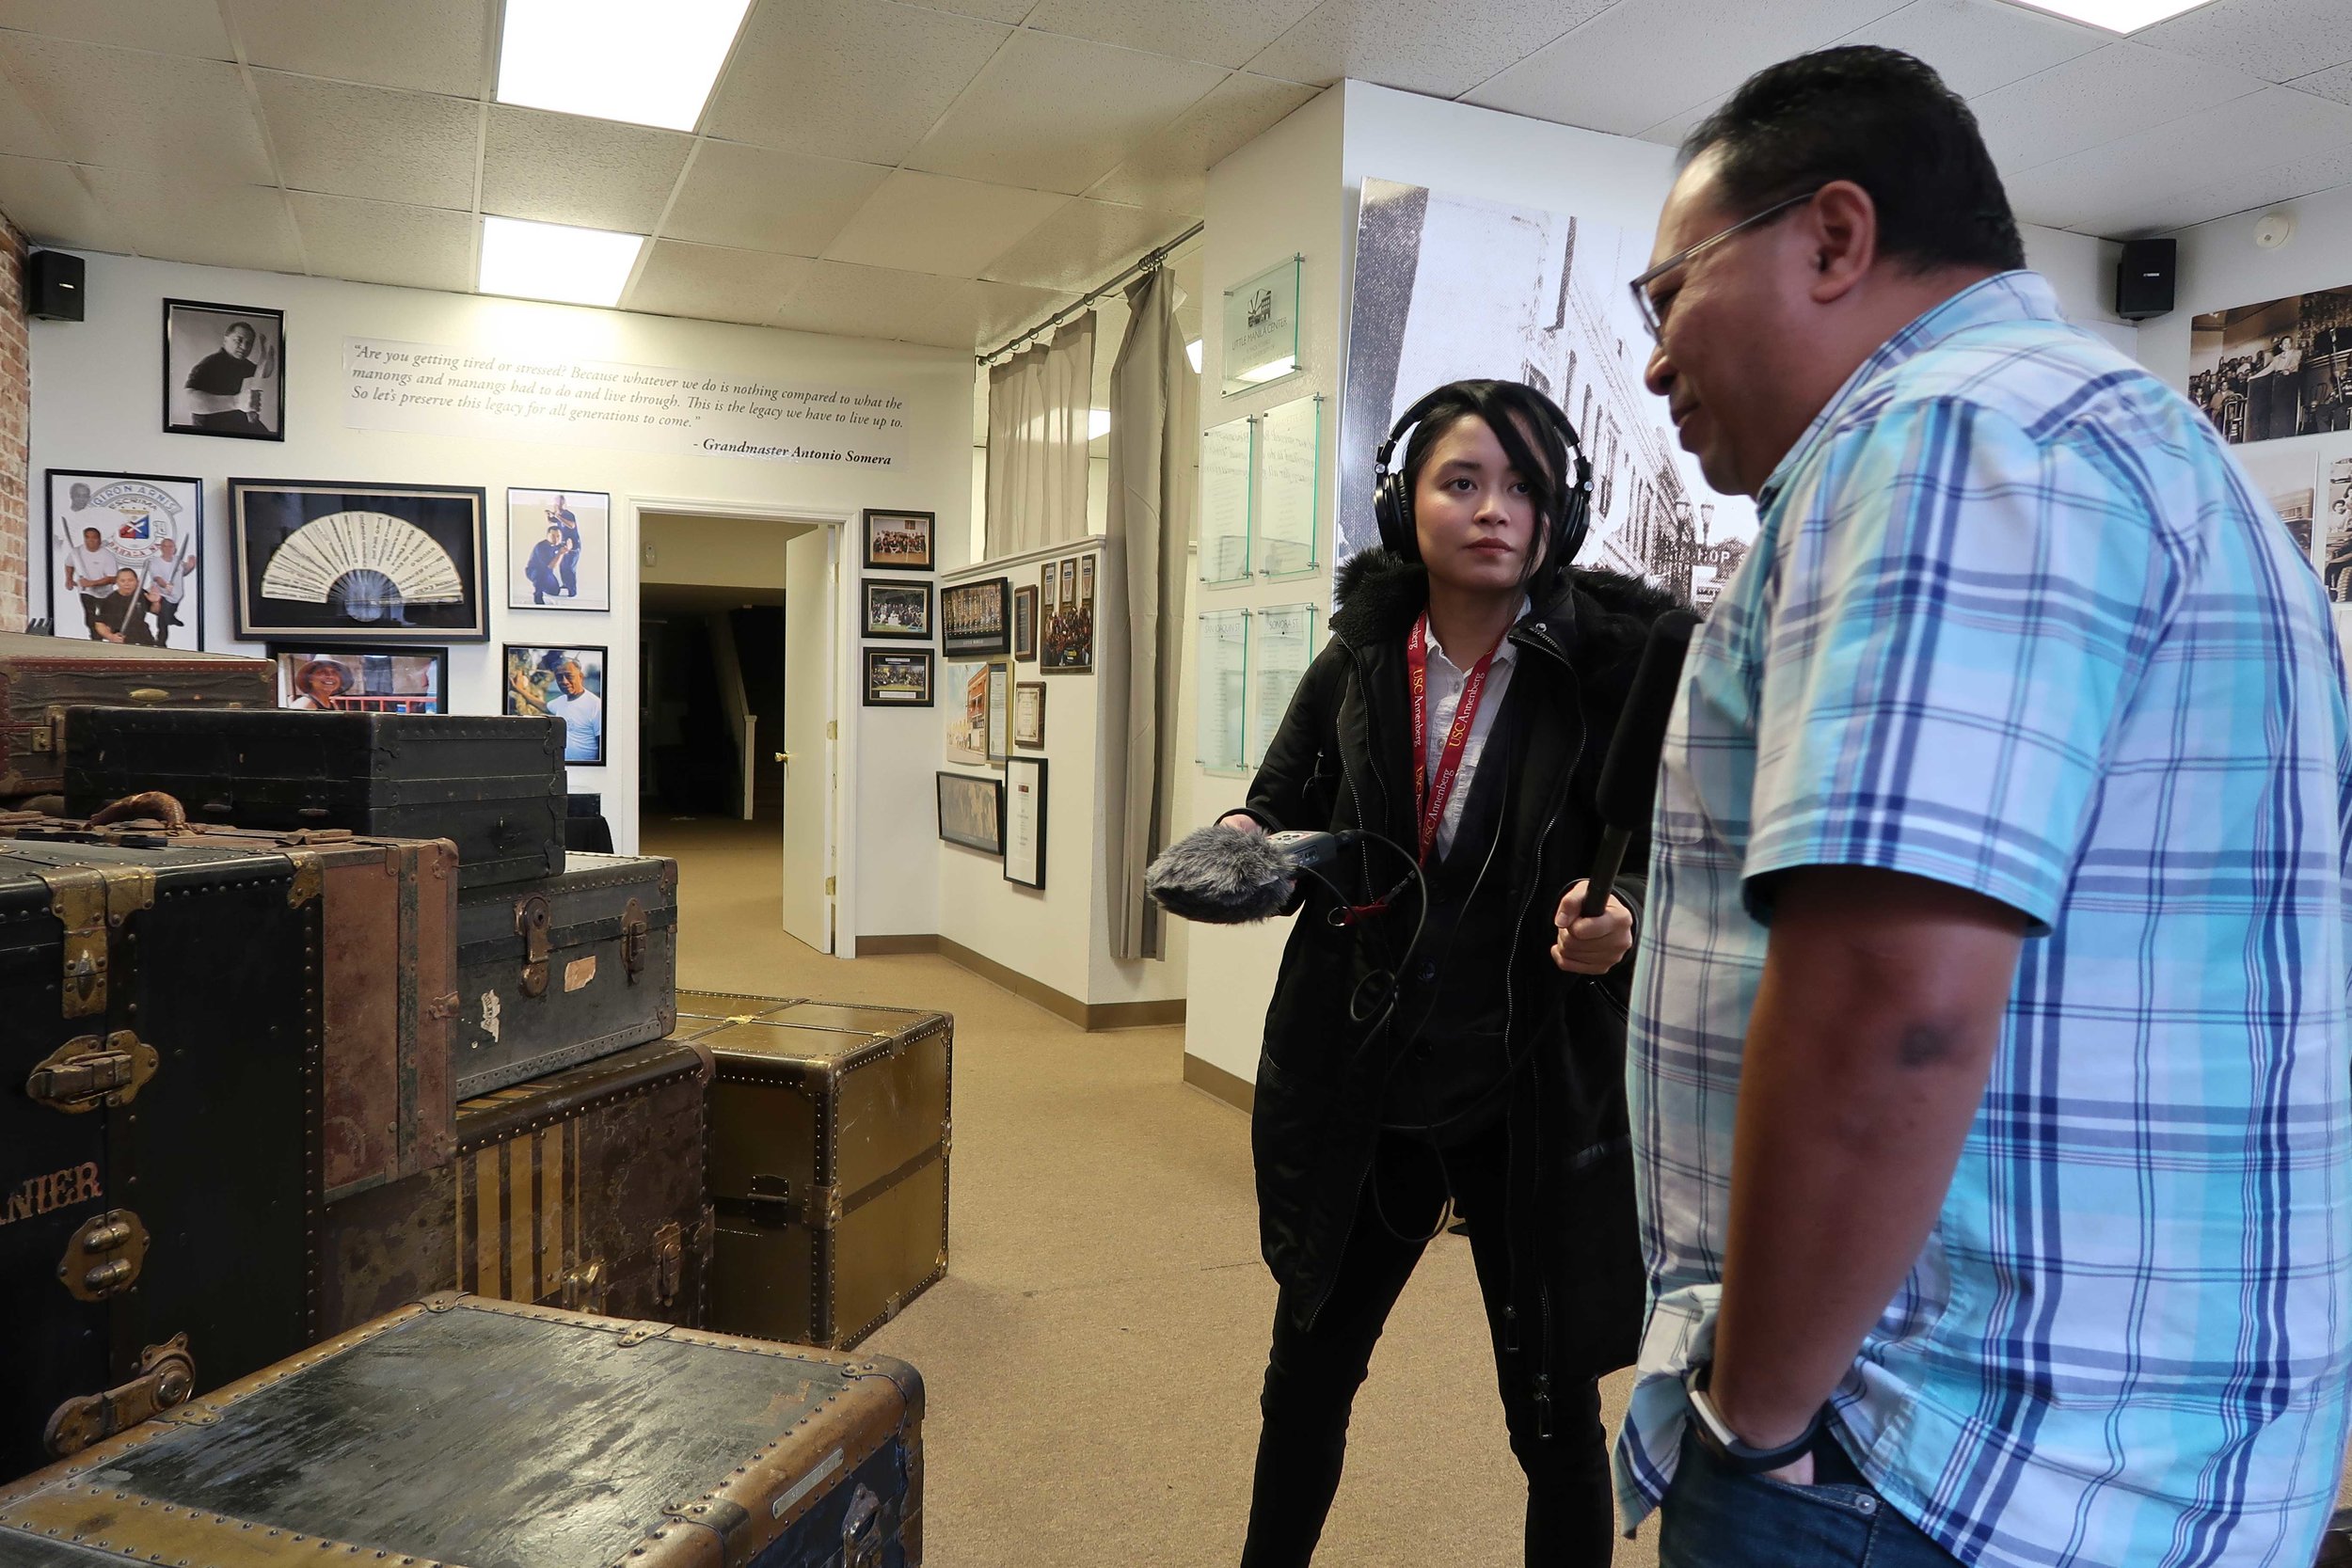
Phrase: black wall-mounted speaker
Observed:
(2143, 278)
(52, 286)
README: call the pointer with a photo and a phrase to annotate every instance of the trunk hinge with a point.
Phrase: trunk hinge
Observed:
(90, 902)
(634, 938)
(530, 924)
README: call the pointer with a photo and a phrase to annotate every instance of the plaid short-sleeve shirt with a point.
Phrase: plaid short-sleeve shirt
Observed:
(2016, 622)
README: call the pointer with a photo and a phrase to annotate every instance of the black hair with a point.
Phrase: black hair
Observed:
(1884, 121)
(1513, 411)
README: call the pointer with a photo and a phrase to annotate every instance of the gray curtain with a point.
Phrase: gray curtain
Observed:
(1037, 404)
(1154, 441)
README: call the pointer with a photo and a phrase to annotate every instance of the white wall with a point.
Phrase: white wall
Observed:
(717, 552)
(96, 405)
(1298, 188)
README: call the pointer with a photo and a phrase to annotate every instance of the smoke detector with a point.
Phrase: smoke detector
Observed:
(2274, 229)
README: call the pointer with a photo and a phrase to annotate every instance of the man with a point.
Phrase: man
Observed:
(168, 585)
(121, 615)
(218, 398)
(582, 710)
(560, 519)
(1990, 1081)
(547, 557)
(90, 570)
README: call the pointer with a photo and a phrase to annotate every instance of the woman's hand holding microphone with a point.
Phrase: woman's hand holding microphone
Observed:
(1591, 944)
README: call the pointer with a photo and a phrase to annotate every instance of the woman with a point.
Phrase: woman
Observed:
(1439, 1037)
(319, 683)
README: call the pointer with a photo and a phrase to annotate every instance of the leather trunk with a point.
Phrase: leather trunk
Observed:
(830, 1130)
(41, 677)
(564, 970)
(158, 1130)
(495, 788)
(469, 1434)
(389, 943)
(583, 1190)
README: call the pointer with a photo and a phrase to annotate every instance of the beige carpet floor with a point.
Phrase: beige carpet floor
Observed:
(1093, 1355)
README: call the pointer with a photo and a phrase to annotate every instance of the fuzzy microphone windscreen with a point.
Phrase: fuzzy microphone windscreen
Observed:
(1221, 877)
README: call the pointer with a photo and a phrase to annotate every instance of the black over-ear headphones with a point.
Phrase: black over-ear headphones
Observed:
(1570, 513)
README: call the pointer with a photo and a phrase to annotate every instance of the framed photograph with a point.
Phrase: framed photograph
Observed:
(900, 541)
(1069, 634)
(972, 812)
(1024, 625)
(976, 730)
(1025, 821)
(975, 618)
(316, 559)
(897, 609)
(123, 557)
(898, 680)
(568, 683)
(346, 679)
(1028, 716)
(1049, 583)
(224, 370)
(559, 550)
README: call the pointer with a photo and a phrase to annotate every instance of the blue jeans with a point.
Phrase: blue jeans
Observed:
(1714, 1518)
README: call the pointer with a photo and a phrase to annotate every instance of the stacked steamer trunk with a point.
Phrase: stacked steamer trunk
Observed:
(471, 1434)
(830, 1130)
(41, 677)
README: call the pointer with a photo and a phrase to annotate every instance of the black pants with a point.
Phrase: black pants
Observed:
(1313, 1375)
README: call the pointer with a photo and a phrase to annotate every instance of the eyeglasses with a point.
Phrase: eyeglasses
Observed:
(1654, 320)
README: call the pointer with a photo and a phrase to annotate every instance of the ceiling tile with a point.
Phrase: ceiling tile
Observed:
(861, 79)
(1168, 173)
(568, 169)
(139, 111)
(1000, 309)
(381, 242)
(2334, 82)
(1669, 133)
(714, 284)
(52, 205)
(876, 302)
(403, 146)
(166, 26)
(1056, 113)
(1612, 74)
(1014, 11)
(180, 220)
(23, 133)
(930, 223)
(1216, 30)
(2096, 98)
(1976, 45)
(2321, 170)
(425, 45)
(1430, 46)
(758, 198)
(2274, 40)
(1083, 244)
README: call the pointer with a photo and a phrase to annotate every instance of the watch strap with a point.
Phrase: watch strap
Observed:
(1715, 1434)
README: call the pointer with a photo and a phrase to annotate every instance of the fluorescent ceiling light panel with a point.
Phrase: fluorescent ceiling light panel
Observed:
(554, 260)
(2115, 16)
(617, 59)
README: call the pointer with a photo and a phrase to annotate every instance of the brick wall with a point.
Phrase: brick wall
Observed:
(16, 414)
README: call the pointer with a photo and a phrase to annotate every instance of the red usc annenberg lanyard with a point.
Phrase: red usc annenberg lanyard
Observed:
(1432, 794)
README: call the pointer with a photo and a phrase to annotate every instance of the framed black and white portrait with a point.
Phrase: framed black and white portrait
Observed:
(559, 550)
(900, 609)
(898, 679)
(566, 683)
(347, 679)
(224, 370)
(124, 555)
(900, 541)
(379, 562)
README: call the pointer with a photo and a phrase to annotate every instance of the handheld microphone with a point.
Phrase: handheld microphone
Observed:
(1628, 774)
(1226, 876)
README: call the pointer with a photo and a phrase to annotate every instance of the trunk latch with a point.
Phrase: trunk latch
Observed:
(167, 1377)
(86, 1072)
(530, 924)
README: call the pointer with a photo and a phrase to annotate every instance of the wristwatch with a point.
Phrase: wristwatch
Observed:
(1716, 1436)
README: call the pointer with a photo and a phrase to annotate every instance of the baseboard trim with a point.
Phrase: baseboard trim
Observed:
(890, 946)
(1211, 1079)
(1091, 1017)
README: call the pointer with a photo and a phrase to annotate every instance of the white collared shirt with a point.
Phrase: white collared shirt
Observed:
(1446, 680)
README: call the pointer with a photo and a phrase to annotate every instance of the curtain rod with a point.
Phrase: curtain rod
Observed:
(1145, 264)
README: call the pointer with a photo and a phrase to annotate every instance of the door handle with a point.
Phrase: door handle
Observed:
(784, 756)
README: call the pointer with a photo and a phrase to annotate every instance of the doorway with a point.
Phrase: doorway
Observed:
(739, 730)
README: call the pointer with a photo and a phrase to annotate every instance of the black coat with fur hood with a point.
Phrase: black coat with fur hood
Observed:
(1343, 758)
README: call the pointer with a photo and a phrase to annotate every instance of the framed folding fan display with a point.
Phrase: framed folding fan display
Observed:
(383, 563)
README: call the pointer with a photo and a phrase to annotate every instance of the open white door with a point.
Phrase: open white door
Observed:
(810, 562)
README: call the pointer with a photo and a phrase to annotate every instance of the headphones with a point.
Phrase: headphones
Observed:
(1392, 494)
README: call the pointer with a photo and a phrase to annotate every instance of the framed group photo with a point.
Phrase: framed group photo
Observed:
(901, 610)
(362, 680)
(125, 554)
(224, 370)
(1068, 587)
(898, 679)
(972, 812)
(975, 618)
(900, 541)
(565, 683)
(317, 560)
(559, 550)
